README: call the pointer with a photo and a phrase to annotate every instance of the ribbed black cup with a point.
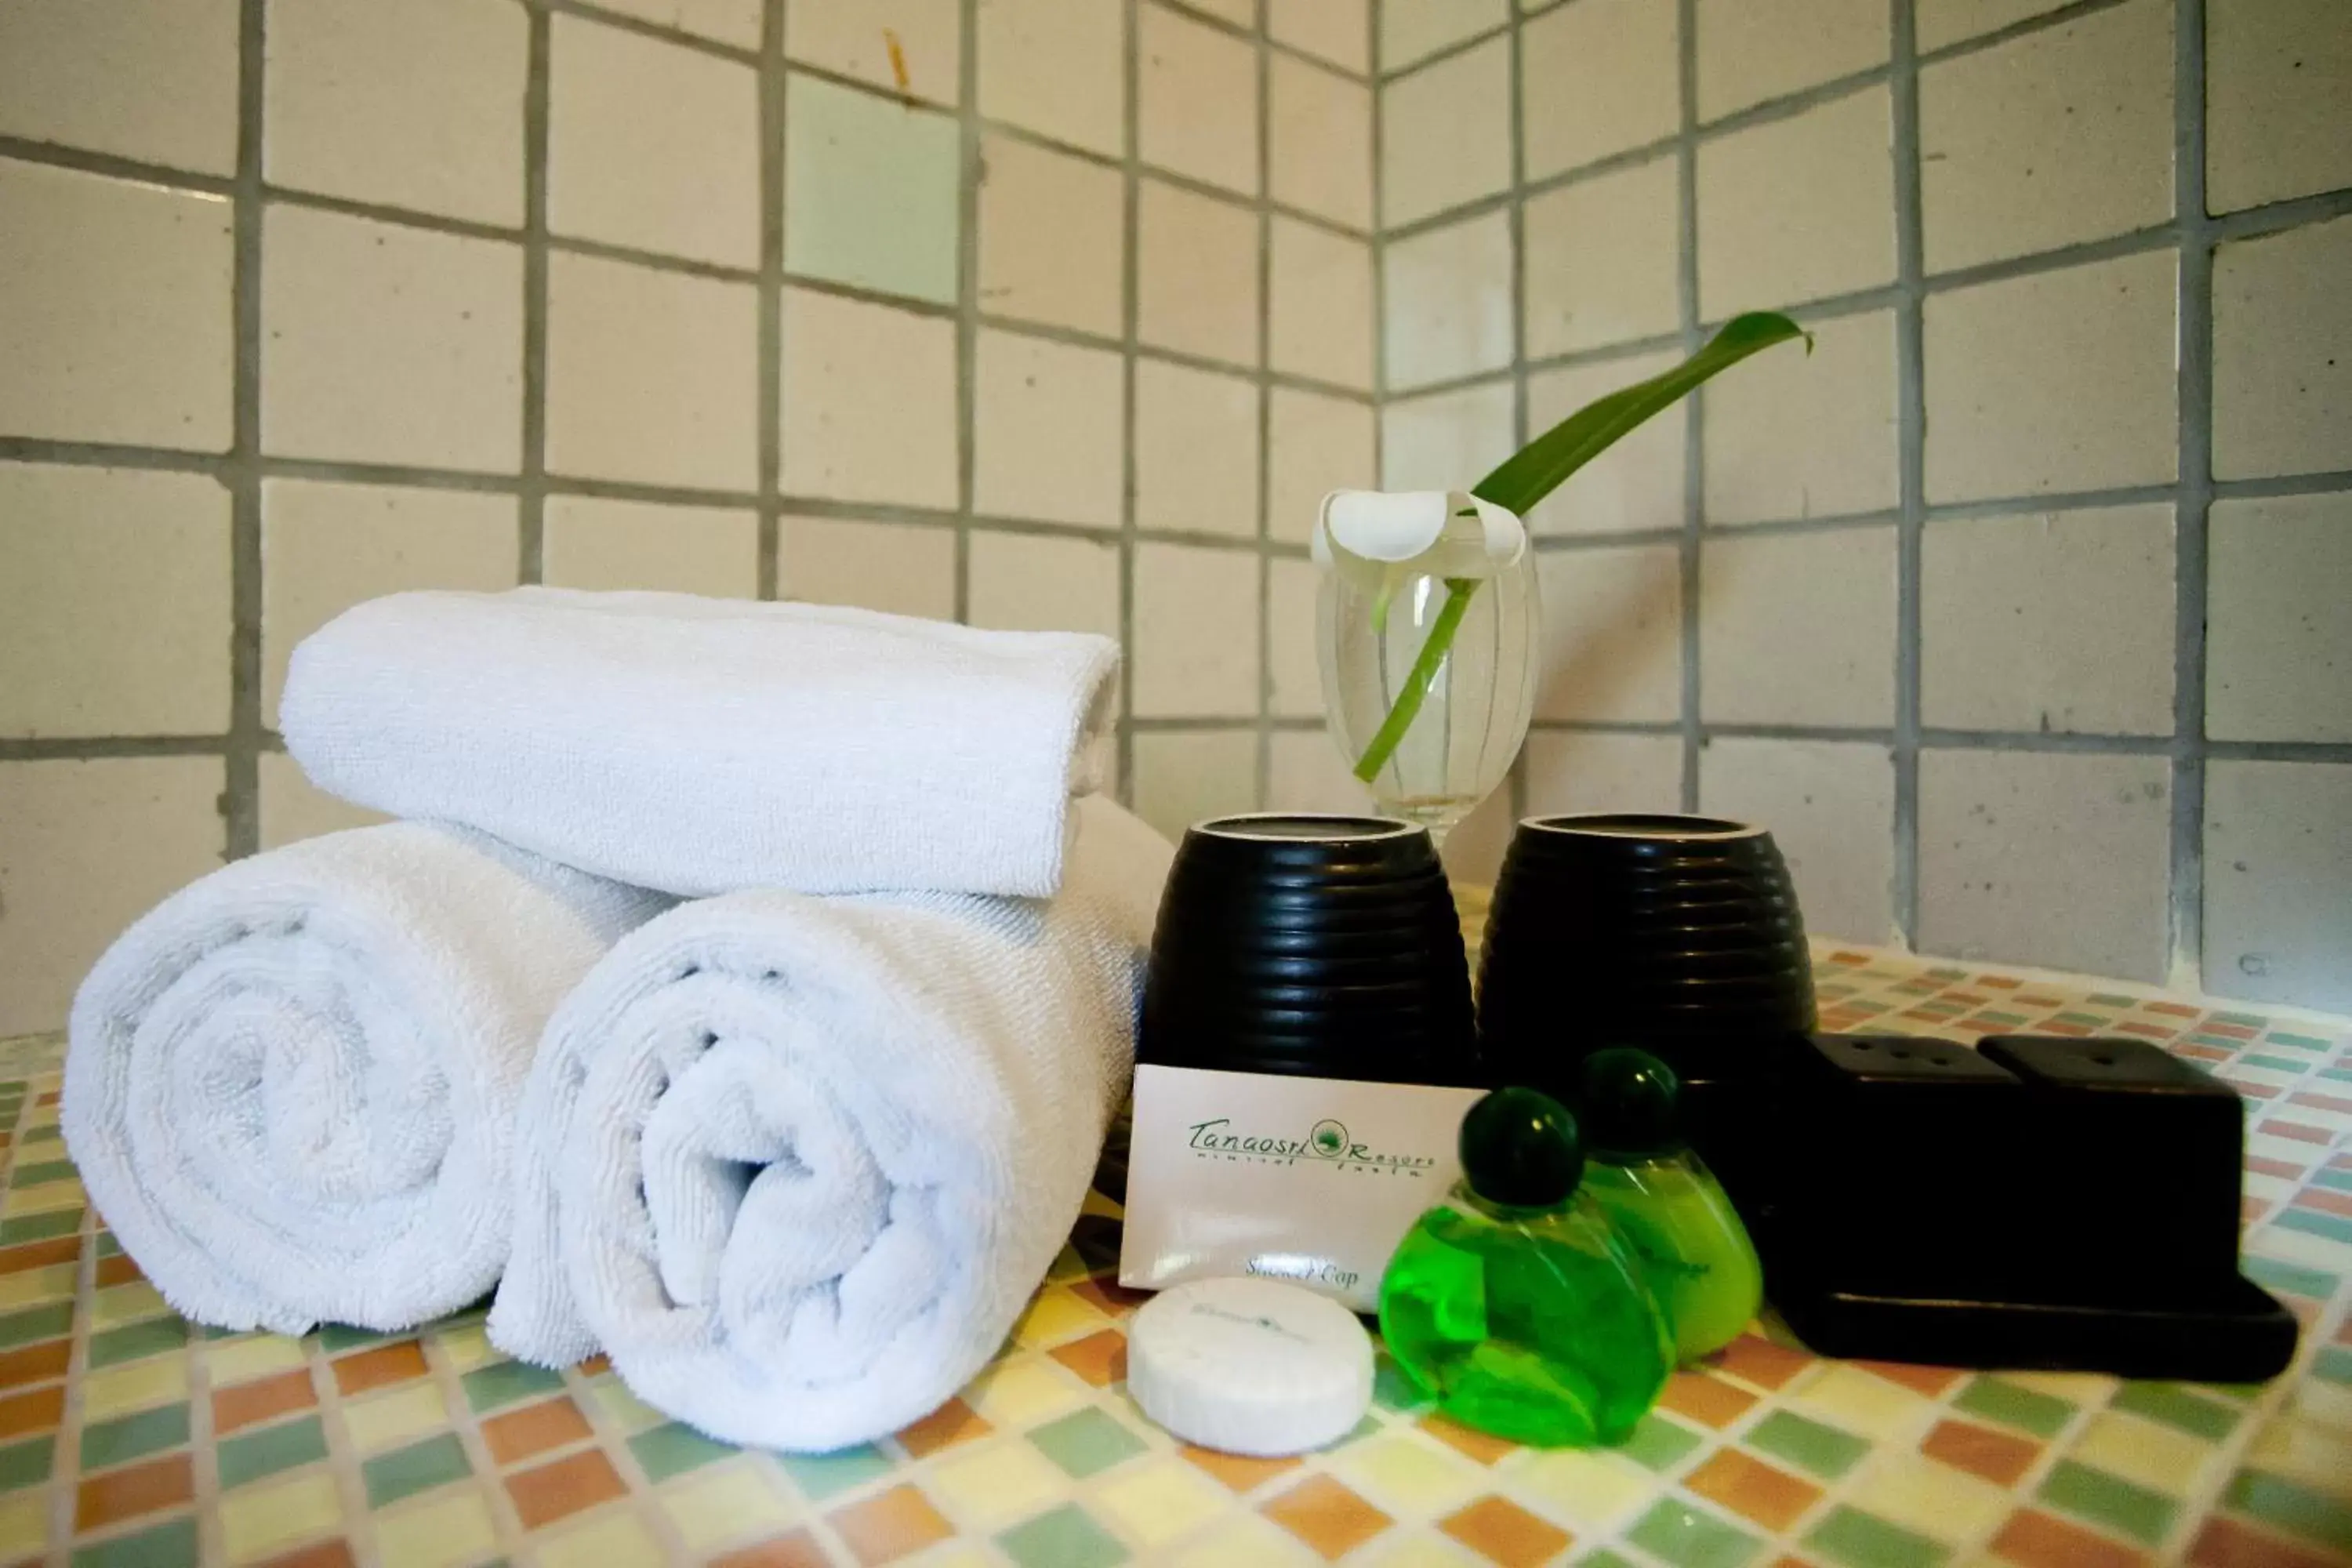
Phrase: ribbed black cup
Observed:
(1322, 946)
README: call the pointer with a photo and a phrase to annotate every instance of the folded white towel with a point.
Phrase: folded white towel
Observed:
(798, 1163)
(703, 745)
(290, 1087)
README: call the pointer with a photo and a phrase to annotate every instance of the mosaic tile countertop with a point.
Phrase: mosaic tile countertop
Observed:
(129, 1439)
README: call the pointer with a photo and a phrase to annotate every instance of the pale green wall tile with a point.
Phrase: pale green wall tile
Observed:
(869, 190)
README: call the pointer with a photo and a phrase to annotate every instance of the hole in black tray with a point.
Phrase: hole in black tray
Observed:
(2104, 1060)
(1900, 1056)
(1862, 1044)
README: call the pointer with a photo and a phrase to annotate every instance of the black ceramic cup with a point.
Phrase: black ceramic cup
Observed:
(1322, 946)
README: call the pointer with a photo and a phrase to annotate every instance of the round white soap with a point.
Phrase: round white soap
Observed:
(1251, 1366)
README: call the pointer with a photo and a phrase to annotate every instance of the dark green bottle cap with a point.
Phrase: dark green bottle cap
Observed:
(1631, 1103)
(1519, 1149)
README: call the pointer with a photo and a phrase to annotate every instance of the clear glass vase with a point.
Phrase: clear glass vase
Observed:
(1430, 730)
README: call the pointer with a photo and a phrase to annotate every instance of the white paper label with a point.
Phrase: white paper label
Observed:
(1313, 1180)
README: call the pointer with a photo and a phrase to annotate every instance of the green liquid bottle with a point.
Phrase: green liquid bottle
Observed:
(1513, 1302)
(1674, 1215)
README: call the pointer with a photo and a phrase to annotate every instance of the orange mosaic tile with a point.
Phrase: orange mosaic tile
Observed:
(1752, 1359)
(39, 1253)
(265, 1398)
(1111, 1295)
(134, 1490)
(953, 1423)
(116, 1270)
(35, 1363)
(2297, 1130)
(562, 1489)
(886, 1528)
(2285, 1170)
(396, 1363)
(1753, 1489)
(597, 1365)
(798, 1549)
(1930, 1380)
(1507, 1534)
(1323, 1512)
(48, 1097)
(1706, 1400)
(517, 1435)
(322, 1554)
(2033, 1539)
(1239, 1471)
(2169, 1009)
(1099, 1358)
(2000, 1457)
(38, 1411)
(1483, 1446)
(2228, 1543)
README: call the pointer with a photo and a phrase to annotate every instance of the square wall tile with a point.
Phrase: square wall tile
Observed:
(1636, 484)
(1598, 78)
(1831, 807)
(1339, 31)
(1753, 52)
(2282, 353)
(2060, 622)
(1320, 312)
(1195, 649)
(1445, 134)
(1448, 301)
(114, 320)
(1196, 264)
(651, 376)
(1292, 653)
(2278, 100)
(2278, 640)
(326, 547)
(1320, 155)
(906, 568)
(1943, 22)
(1047, 431)
(2058, 137)
(91, 846)
(591, 542)
(1612, 633)
(1055, 67)
(874, 40)
(1198, 92)
(1030, 582)
(293, 808)
(384, 343)
(2054, 382)
(1186, 776)
(1446, 441)
(651, 145)
(151, 79)
(735, 22)
(2278, 882)
(870, 190)
(1602, 260)
(869, 402)
(1307, 773)
(1798, 628)
(115, 602)
(1195, 450)
(1798, 209)
(1053, 238)
(1792, 434)
(1597, 769)
(1413, 30)
(1316, 445)
(2047, 858)
(419, 105)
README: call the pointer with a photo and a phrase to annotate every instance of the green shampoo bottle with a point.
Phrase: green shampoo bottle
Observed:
(1513, 1302)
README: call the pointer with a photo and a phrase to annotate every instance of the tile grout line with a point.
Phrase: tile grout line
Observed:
(2191, 520)
(1262, 786)
(769, 351)
(530, 493)
(1522, 417)
(242, 792)
(1129, 289)
(1911, 427)
(972, 169)
(1690, 545)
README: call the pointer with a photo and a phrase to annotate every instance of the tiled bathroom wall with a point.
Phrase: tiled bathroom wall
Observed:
(1043, 313)
(2021, 607)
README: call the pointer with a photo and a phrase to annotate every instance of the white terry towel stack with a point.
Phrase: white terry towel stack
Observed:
(291, 1086)
(797, 1163)
(702, 745)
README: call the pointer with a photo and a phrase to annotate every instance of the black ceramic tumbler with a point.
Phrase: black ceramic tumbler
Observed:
(1321, 946)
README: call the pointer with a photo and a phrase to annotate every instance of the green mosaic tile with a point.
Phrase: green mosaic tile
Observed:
(2274, 1064)
(870, 191)
(504, 1383)
(2297, 1509)
(2006, 1020)
(1864, 1541)
(27, 1463)
(337, 1338)
(2335, 1228)
(41, 1174)
(2314, 1284)
(2243, 1020)
(49, 1134)
(1603, 1558)
(2176, 1406)
(2300, 1042)
(109, 1245)
(2334, 1364)
(1658, 1444)
(1067, 1537)
(820, 1475)
(134, 1341)
(1086, 1441)
(2041, 1414)
(1395, 1389)
(2109, 999)
(2338, 1181)
(33, 1323)
(2111, 1500)
(133, 1436)
(1689, 1539)
(39, 1226)
(1810, 1445)
(420, 1467)
(172, 1545)
(249, 1456)
(674, 1448)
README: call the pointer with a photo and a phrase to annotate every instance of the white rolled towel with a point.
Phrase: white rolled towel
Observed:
(704, 745)
(290, 1087)
(797, 1164)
